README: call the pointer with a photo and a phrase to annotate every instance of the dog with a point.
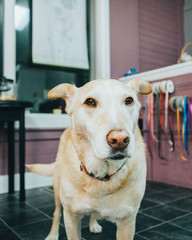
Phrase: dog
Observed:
(100, 167)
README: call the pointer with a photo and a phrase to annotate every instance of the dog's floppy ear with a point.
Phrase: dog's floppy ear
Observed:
(140, 86)
(66, 92)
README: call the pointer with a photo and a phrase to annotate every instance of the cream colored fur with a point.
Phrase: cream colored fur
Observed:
(118, 199)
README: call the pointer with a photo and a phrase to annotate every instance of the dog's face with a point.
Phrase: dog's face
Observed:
(104, 114)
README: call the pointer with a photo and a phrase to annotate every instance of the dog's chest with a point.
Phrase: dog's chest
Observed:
(118, 212)
(110, 207)
(105, 209)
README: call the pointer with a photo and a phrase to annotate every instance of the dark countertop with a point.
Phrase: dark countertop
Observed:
(15, 104)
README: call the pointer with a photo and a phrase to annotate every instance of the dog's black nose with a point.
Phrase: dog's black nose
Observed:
(118, 139)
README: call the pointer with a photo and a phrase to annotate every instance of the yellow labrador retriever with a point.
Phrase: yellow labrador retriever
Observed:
(100, 169)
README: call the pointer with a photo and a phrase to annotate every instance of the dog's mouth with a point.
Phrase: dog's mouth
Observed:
(118, 156)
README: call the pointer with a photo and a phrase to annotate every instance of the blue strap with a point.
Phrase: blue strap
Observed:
(185, 123)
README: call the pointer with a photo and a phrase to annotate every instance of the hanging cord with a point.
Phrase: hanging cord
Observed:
(148, 123)
(190, 113)
(159, 126)
(169, 125)
(179, 131)
(185, 123)
(166, 109)
(161, 110)
(154, 139)
(172, 106)
(146, 119)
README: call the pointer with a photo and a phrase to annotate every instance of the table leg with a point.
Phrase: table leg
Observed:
(22, 157)
(11, 156)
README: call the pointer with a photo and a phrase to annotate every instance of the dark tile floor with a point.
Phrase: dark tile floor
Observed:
(165, 213)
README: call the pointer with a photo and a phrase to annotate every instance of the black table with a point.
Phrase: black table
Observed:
(11, 111)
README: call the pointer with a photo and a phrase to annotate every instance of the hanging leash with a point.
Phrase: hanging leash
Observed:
(185, 123)
(159, 127)
(172, 107)
(161, 110)
(171, 127)
(190, 113)
(169, 123)
(148, 123)
(179, 109)
(154, 139)
(166, 109)
(146, 118)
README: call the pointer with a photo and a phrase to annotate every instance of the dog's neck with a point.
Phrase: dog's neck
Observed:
(100, 169)
(107, 177)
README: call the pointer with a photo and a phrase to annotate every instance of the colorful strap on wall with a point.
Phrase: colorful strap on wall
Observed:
(179, 109)
(161, 89)
(181, 104)
(190, 112)
(159, 126)
(168, 109)
(185, 123)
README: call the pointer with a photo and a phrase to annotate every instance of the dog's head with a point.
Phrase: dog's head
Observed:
(104, 114)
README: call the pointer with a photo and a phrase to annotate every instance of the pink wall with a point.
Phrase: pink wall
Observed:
(145, 34)
(124, 36)
(41, 147)
(160, 33)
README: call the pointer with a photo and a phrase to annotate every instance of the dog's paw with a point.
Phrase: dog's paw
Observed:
(95, 228)
(52, 237)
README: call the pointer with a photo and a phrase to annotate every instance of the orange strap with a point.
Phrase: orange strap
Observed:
(179, 133)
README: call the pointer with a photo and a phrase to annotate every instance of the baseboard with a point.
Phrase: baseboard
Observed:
(32, 180)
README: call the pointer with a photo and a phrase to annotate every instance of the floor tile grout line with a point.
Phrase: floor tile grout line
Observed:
(38, 210)
(162, 190)
(50, 192)
(143, 237)
(147, 208)
(180, 198)
(33, 208)
(159, 219)
(174, 224)
(173, 195)
(163, 222)
(166, 204)
(10, 228)
(167, 189)
(157, 225)
(190, 213)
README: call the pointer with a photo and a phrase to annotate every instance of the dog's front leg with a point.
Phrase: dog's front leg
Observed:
(126, 229)
(72, 224)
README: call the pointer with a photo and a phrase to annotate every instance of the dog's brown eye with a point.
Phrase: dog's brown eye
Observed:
(90, 102)
(128, 100)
